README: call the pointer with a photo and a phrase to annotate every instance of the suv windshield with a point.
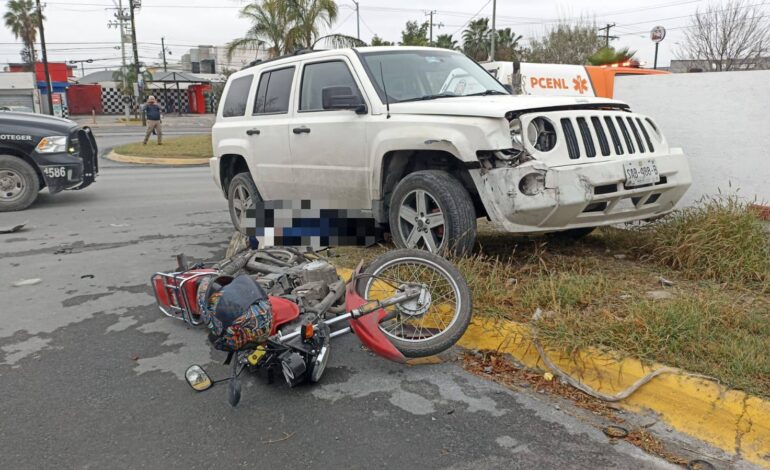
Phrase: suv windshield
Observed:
(412, 75)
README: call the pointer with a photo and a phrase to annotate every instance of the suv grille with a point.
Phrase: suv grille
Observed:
(617, 133)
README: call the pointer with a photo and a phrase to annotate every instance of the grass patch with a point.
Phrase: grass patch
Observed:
(598, 292)
(192, 146)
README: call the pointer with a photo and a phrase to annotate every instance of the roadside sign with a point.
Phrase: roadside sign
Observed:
(56, 101)
(657, 34)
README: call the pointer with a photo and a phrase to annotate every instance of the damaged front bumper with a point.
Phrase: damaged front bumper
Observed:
(575, 196)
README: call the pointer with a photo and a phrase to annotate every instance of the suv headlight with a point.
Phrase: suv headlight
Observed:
(52, 144)
(541, 134)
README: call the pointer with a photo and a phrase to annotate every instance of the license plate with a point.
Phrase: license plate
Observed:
(641, 172)
(55, 172)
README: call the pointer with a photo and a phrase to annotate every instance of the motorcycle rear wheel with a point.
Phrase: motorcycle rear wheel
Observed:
(442, 323)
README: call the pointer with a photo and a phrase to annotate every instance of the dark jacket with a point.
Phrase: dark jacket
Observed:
(152, 111)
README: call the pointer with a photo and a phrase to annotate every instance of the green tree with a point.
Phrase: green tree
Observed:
(22, 19)
(608, 55)
(415, 34)
(309, 17)
(446, 41)
(566, 44)
(378, 41)
(270, 20)
(507, 45)
(126, 77)
(477, 40)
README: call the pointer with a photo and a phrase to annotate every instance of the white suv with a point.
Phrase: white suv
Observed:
(428, 141)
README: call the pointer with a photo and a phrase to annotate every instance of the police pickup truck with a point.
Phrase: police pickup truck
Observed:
(37, 152)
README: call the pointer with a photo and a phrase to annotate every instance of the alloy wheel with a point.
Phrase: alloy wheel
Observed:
(421, 221)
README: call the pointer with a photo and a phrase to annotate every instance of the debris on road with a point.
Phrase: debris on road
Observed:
(27, 282)
(13, 228)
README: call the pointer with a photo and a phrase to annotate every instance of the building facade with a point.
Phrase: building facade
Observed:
(213, 59)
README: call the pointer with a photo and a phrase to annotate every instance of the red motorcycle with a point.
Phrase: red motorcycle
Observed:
(405, 304)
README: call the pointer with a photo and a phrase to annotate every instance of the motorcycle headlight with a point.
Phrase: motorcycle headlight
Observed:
(52, 144)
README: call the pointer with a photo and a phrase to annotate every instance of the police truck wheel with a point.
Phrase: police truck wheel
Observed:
(19, 184)
(431, 210)
(242, 194)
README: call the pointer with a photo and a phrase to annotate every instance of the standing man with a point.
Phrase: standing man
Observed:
(152, 111)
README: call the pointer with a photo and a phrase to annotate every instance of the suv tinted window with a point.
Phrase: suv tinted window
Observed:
(235, 102)
(316, 77)
(273, 91)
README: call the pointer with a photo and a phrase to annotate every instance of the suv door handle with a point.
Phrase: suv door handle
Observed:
(301, 130)
(252, 132)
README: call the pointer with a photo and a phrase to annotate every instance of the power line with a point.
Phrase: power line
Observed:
(472, 17)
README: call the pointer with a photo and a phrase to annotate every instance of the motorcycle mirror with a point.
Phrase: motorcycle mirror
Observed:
(197, 378)
(234, 391)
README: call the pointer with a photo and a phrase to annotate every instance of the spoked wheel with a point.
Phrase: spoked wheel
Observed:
(437, 318)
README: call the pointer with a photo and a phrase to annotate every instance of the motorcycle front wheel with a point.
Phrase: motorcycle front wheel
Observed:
(433, 322)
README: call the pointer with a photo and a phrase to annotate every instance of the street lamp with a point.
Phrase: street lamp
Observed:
(82, 67)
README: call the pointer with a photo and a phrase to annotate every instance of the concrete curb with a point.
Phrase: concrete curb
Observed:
(116, 157)
(731, 420)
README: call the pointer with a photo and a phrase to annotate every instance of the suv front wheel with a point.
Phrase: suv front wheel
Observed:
(242, 194)
(431, 210)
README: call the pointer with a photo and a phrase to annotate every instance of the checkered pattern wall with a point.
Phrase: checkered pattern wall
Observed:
(112, 100)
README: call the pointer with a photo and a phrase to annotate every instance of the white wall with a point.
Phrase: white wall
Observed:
(17, 81)
(721, 120)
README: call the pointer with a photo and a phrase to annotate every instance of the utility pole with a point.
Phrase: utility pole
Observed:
(165, 69)
(131, 6)
(120, 23)
(49, 89)
(121, 20)
(431, 13)
(607, 36)
(358, 21)
(494, 30)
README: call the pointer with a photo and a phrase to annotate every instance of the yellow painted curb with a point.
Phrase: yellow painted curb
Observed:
(731, 420)
(117, 157)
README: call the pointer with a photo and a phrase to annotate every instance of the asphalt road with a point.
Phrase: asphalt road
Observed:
(91, 374)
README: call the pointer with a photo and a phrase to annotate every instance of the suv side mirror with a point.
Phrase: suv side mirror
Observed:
(342, 97)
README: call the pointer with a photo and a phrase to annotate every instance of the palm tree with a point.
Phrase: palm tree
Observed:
(476, 39)
(22, 19)
(506, 44)
(445, 41)
(126, 77)
(270, 22)
(608, 55)
(309, 17)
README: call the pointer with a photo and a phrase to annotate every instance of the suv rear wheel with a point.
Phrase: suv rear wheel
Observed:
(431, 210)
(19, 184)
(242, 194)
